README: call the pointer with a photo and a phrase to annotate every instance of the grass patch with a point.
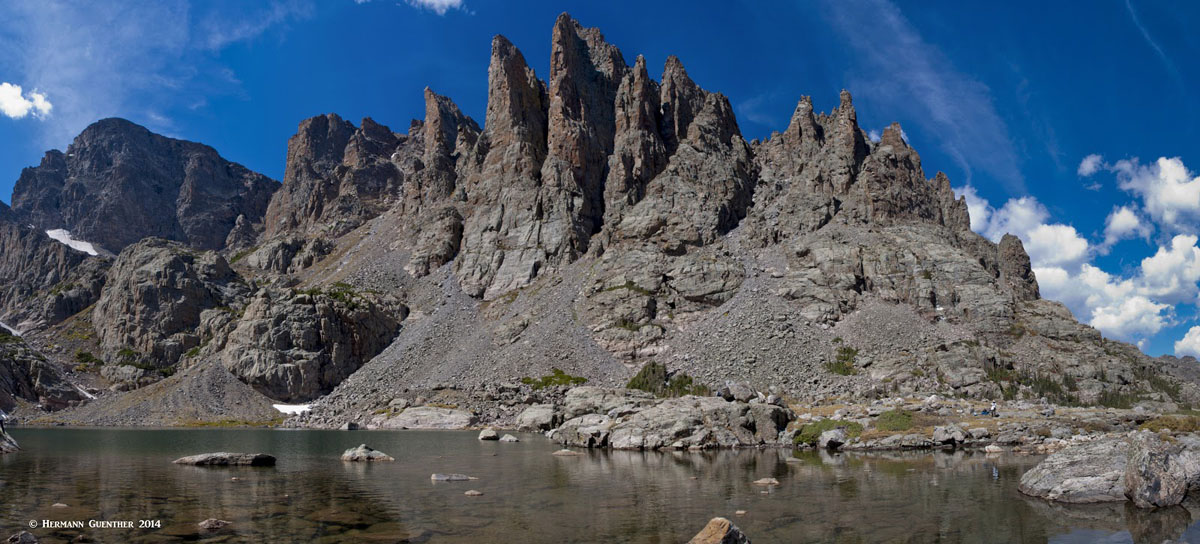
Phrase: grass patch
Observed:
(9, 338)
(843, 362)
(86, 357)
(192, 352)
(556, 377)
(1173, 423)
(811, 432)
(653, 378)
(241, 255)
(894, 420)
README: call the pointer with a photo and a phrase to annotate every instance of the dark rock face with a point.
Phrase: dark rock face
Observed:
(43, 281)
(157, 296)
(118, 183)
(26, 375)
(296, 346)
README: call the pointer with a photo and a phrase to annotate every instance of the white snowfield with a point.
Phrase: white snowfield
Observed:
(10, 330)
(64, 236)
(293, 409)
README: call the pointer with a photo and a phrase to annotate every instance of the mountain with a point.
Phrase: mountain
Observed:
(599, 220)
(118, 183)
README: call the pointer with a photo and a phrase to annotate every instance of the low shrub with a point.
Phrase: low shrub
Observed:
(555, 378)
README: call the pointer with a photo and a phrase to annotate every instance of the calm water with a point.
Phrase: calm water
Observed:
(529, 495)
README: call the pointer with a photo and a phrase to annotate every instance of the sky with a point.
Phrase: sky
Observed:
(1071, 125)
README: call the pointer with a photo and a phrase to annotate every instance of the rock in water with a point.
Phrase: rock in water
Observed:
(213, 524)
(720, 531)
(23, 537)
(488, 434)
(509, 438)
(473, 493)
(365, 453)
(7, 444)
(831, 439)
(221, 459)
(450, 477)
(1159, 473)
(1088, 472)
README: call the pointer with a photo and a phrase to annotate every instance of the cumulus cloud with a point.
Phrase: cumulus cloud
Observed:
(1189, 344)
(1090, 165)
(439, 7)
(1127, 308)
(1122, 224)
(1170, 193)
(17, 104)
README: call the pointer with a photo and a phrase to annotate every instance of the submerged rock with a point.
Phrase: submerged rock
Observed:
(450, 477)
(365, 453)
(7, 444)
(720, 531)
(228, 459)
(23, 537)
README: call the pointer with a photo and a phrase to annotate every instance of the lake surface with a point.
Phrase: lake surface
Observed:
(529, 494)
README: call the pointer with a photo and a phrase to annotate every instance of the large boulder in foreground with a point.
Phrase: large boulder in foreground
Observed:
(1147, 469)
(720, 531)
(1083, 473)
(226, 459)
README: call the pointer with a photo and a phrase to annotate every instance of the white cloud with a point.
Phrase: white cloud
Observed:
(1170, 275)
(1189, 344)
(15, 104)
(874, 136)
(1090, 165)
(1048, 244)
(1123, 223)
(1132, 318)
(1170, 193)
(439, 7)
(126, 58)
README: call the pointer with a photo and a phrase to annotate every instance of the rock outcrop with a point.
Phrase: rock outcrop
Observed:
(222, 459)
(43, 281)
(720, 531)
(118, 183)
(26, 375)
(157, 297)
(297, 345)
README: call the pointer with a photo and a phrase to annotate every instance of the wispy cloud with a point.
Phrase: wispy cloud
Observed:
(17, 104)
(141, 60)
(1158, 50)
(897, 70)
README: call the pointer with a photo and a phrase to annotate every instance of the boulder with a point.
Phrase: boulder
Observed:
(949, 435)
(599, 400)
(1082, 473)
(488, 434)
(831, 439)
(720, 531)
(738, 391)
(677, 423)
(228, 459)
(430, 417)
(365, 453)
(23, 537)
(539, 417)
(213, 524)
(1160, 473)
(509, 438)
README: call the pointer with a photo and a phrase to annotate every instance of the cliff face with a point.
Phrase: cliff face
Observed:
(599, 219)
(118, 183)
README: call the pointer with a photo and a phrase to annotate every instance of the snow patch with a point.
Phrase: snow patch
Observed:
(293, 409)
(10, 330)
(64, 236)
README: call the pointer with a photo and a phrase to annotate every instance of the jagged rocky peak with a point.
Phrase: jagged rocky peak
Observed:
(118, 183)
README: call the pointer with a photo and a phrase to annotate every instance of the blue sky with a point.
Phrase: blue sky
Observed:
(1009, 99)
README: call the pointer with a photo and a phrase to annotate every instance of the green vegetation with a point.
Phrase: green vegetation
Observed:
(339, 291)
(843, 363)
(653, 378)
(555, 378)
(192, 352)
(86, 358)
(810, 432)
(1173, 423)
(60, 288)
(8, 338)
(241, 255)
(1115, 399)
(894, 420)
